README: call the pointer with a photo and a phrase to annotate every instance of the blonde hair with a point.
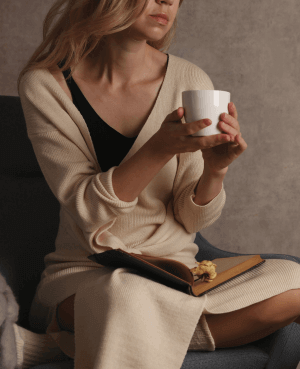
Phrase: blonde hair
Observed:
(81, 27)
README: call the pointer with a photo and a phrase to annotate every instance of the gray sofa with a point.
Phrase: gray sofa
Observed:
(29, 224)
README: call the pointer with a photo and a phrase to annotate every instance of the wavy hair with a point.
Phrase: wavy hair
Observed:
(81, 27)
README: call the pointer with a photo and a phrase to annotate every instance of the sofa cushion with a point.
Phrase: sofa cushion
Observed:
(246, 357)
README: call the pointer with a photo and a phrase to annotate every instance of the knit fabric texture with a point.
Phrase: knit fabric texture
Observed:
(123, 319)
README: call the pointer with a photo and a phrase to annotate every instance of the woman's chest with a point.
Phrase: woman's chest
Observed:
(127, 111)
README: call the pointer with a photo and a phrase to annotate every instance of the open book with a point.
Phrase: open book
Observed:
(175, 274)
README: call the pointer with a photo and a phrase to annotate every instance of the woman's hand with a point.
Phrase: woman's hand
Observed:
(217, 158)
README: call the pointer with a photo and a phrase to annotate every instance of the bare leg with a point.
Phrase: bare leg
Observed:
(256, 321)
(235, 328)
(66, 314)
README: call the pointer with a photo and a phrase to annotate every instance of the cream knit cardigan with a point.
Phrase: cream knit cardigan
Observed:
(122, 320)
(162, 221)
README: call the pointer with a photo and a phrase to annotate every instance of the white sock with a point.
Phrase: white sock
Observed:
(34, 348)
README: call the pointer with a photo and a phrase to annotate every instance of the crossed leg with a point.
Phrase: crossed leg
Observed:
(231, 329)
(256, 321)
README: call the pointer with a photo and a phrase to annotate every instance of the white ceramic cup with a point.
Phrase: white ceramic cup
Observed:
(205, 104)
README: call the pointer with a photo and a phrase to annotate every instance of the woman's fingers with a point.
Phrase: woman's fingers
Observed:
(231, 120)
(232, 110)
(227, 128)
(207, 142)
(241, 145)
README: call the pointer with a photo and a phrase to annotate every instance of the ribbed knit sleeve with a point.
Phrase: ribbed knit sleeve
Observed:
(190, 168)
(87, 195)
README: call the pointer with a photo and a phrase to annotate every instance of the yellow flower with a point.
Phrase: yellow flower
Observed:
(205, 268)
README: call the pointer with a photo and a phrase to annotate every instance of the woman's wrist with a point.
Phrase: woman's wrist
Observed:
(215, 173)
(209, 186)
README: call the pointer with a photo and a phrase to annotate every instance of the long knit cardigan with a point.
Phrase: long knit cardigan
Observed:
(123, 319)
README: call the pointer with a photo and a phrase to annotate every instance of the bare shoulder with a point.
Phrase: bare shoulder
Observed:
(57, 74)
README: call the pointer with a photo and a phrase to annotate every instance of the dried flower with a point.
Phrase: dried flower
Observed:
(205, 268)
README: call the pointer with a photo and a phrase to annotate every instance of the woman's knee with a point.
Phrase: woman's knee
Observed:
(280, 308)
(255, 321)
(65, 314)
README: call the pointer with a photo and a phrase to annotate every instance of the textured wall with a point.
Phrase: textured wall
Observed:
(251, 49)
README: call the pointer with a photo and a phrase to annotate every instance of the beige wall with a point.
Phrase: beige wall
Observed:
(251, 49)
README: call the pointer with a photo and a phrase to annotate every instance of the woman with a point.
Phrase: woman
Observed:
(127, 174)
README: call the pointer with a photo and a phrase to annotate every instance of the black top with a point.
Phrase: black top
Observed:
(110, 145)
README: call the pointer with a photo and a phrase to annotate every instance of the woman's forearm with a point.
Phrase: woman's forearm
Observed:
(209, 186)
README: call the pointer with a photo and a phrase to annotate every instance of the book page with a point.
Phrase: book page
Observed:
(228, 263)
